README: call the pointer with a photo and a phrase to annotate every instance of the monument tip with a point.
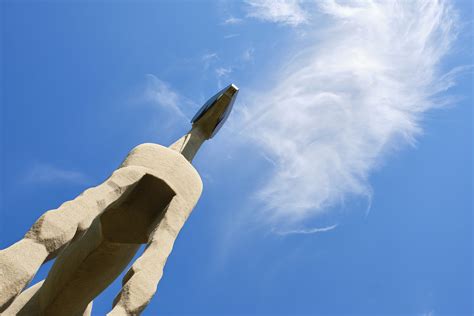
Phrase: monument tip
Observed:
(213, 114)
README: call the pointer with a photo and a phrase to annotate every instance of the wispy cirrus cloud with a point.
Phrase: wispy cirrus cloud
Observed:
(229, 36)
(222, 73)
(232, 20)
(247, 55)
(209, 58)
(359, 90)
(163, 95)
(50, 174)
(305, 231)
(287, 12)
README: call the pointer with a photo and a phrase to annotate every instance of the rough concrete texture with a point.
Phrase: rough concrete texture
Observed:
(18, 305)
(146, 200)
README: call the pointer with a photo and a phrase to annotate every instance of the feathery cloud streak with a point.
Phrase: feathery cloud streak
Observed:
(357, 92)
(280, 11)
(160, 93)
(306, 231)
(45, 173)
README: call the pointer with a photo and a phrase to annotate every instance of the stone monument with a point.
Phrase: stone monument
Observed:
(95, 236)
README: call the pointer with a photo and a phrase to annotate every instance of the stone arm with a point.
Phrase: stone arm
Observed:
(54, 230)
(57, 228)
(141, 280)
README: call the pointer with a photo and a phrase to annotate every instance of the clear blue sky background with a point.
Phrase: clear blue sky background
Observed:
(72, 76)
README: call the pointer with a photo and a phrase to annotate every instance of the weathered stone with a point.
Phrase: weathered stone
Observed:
(145, 201)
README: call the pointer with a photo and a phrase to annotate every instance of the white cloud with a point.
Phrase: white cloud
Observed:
(223, 71)
(208, 59)
(45, 173)
(359, 91)
(248, 54)
(160, 93)
(228, 36)
(232, 20)
(279, 11)
(305, 231)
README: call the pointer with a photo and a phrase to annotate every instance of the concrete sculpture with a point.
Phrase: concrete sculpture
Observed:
(94, 237)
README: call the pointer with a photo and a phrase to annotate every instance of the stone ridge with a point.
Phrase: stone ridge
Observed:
(64, 231)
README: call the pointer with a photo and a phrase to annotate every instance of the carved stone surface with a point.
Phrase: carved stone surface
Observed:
(95, 236)
(151, 195)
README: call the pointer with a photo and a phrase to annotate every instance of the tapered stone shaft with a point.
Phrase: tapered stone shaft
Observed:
(94, 237)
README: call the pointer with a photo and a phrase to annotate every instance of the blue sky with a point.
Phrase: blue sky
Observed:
(341, 184)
